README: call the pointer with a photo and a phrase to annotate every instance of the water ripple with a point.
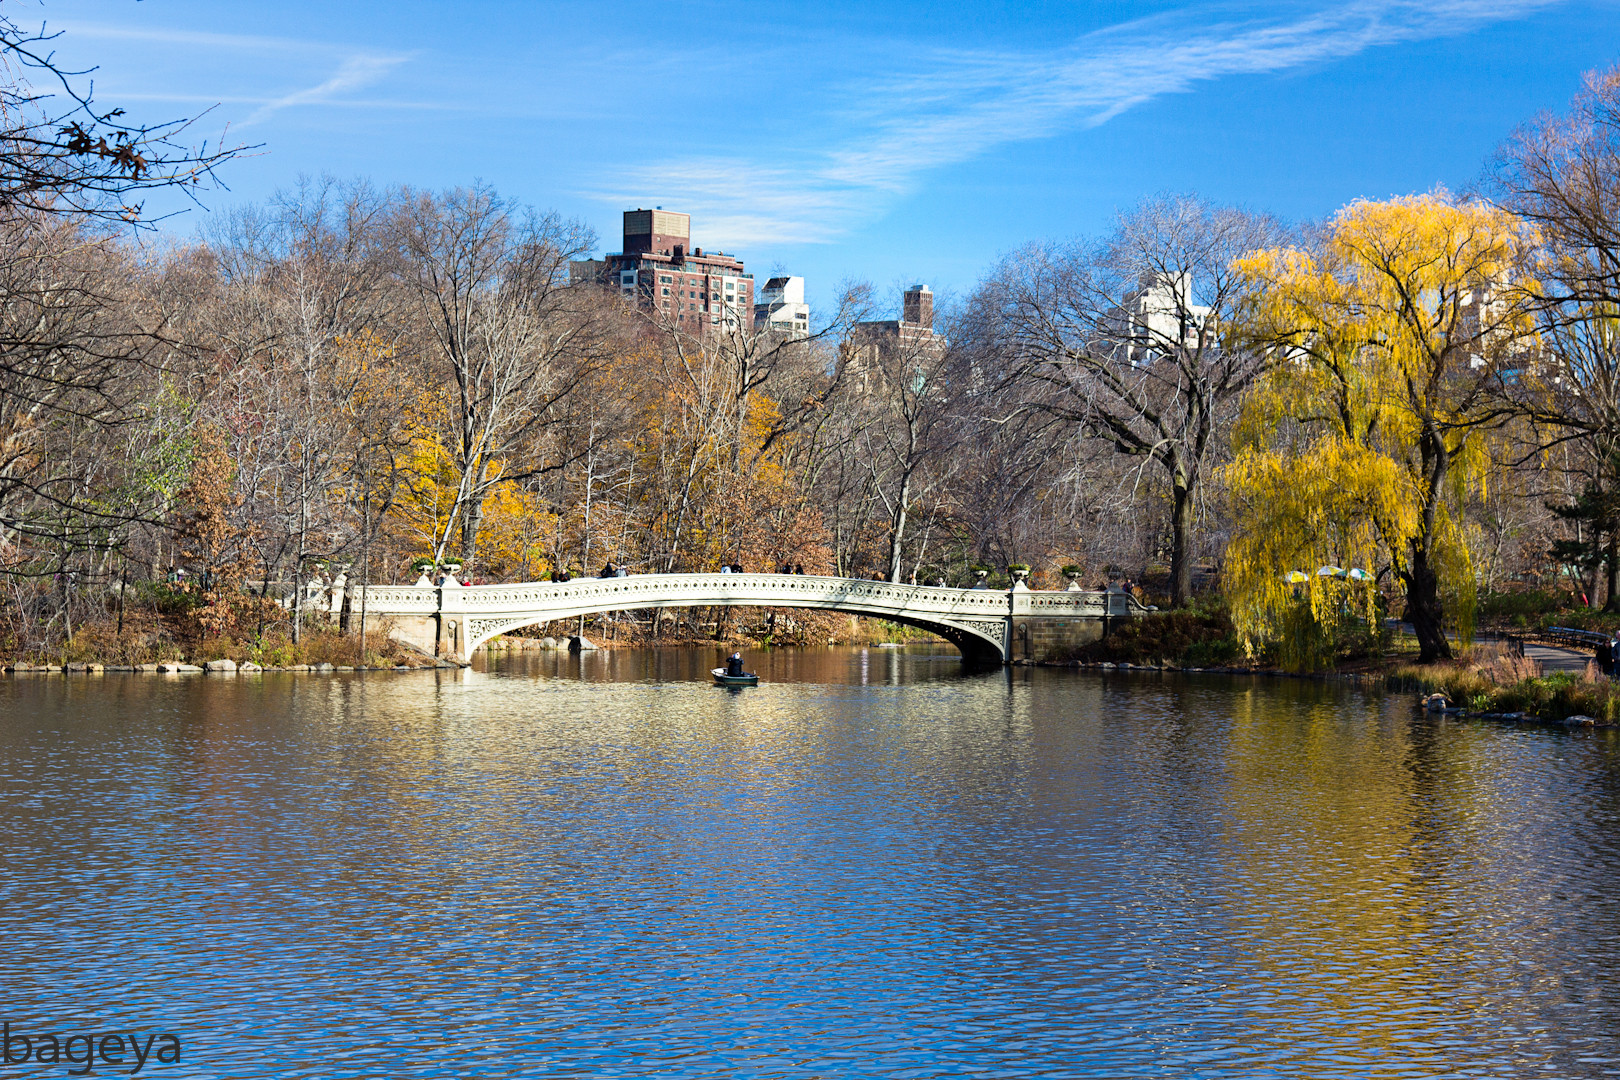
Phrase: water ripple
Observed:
(870, 866)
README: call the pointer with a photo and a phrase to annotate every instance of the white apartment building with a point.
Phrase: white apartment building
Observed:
(780, 308)
(1159, 315)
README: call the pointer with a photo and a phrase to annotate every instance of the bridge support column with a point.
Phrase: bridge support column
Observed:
(1043, 638)
(1038, 637)
(453, 637)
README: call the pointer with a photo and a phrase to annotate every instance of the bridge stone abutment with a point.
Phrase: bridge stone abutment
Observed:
(988, 626)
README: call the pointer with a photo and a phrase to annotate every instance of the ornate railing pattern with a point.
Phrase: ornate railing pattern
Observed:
(398, 599)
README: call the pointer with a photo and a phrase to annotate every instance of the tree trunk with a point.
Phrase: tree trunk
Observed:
(1181, 526)
(67, 600)
(897, 535)
(471, 520)
(1422, 580)
(1611, 557)
(365, 568)
(1423, 608)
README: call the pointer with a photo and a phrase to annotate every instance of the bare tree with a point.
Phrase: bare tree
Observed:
(61, 154)
(1123, 338)
(907, 386)
(71, 354)
(504, 332)
(305, 318)
(77, 341)
(1562, 173)
(787, 366)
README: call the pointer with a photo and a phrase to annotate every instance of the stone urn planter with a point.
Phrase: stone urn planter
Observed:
(1020, 576)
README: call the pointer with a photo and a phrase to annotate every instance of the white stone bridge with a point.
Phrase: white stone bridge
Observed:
(987, 625)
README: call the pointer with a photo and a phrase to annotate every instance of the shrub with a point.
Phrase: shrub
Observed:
(169, 599)
(1191, 638)
(1212, 652)
(1525, 604)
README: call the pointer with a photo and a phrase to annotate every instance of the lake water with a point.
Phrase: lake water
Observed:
(872, 865)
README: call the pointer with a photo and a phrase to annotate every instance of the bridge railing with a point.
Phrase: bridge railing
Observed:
(398, 599)
(760, 589)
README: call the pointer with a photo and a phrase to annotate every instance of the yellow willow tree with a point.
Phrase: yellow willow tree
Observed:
(1392, 338)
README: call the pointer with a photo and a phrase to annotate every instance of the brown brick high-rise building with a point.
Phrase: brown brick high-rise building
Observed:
(892, 345)
(689, 288)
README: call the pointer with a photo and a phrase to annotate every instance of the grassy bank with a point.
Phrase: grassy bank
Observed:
(1490, 680)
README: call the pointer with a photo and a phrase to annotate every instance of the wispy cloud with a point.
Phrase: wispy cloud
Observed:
(354, 73)
(955, 106)
(351, 68)
(167, 36)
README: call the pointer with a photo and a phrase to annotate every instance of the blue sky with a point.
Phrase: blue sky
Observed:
(887, 141)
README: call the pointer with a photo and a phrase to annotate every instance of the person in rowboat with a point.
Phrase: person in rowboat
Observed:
(734, 666)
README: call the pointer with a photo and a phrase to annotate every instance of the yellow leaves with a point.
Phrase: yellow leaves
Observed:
(1405, 246)
(422, 507)
(1340, 505)
(515, 527)
(512, 540)
(1367, 429)
(1400, 295)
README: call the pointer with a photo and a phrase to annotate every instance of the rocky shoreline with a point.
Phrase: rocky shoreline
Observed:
(218, 667)
(1431, 704)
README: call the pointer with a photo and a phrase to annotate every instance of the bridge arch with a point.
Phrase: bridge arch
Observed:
(981, 644)
(454, 620)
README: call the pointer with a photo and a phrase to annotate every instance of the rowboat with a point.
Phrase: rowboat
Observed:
(745, 679)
